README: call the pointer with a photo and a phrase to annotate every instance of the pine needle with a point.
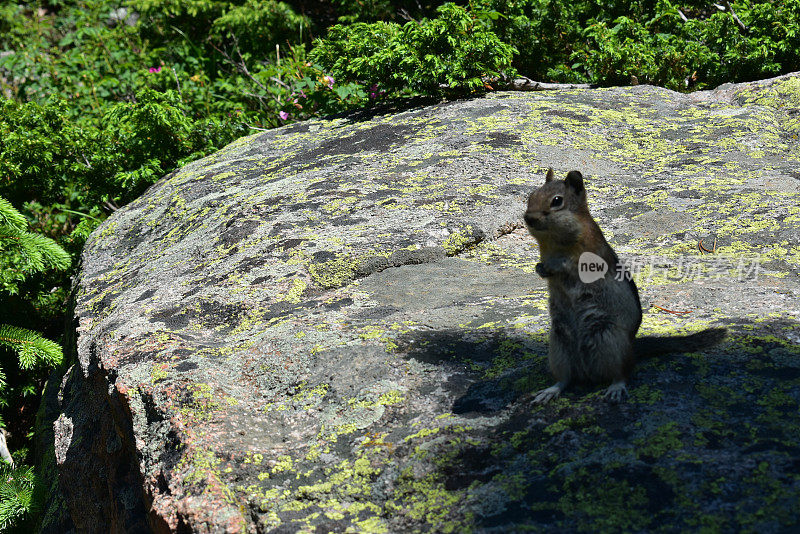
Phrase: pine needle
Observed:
(9, 216)
(16, 493)
(31, 347)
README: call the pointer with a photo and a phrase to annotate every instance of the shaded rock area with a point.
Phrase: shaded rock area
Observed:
(335, 326)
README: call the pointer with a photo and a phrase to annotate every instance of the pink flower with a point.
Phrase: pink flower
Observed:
(373, 91)
(283, 115)
(155, 69)
(328, 80)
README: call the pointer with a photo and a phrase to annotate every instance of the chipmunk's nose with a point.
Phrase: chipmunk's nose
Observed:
(534, 220)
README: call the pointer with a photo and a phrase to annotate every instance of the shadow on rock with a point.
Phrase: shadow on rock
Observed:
(692, 420)
(490, 368)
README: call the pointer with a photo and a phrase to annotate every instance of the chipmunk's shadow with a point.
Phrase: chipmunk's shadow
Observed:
(487, 369)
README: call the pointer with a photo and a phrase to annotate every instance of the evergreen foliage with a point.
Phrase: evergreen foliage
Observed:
(679, 45)
(452, 54)
(22, 254)
(17, 501)
(31, 348)
(257, 26)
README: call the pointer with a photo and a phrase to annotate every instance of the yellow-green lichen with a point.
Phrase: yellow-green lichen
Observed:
(459, 240)
(158, 372)
(333, 273)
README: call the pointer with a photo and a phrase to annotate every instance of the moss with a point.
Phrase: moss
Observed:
(425, 432)
(646, 394)
(384, 399)
(386, 335)
(510, 353)
(579, 421)
(601, 503)
(303, 397)
(371, 525)
(202, 468)
(344, 482)
(666, 439)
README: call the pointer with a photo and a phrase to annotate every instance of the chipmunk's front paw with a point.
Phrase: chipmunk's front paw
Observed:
(616, 392)
(552, 266)
(542, 271)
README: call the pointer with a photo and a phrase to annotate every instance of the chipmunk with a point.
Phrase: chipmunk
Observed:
(595, 310)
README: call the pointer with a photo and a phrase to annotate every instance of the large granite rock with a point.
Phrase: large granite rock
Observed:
(335, 326)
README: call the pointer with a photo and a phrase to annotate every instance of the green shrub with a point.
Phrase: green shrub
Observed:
(451, 54)
(368, 10)
(630, 49)
(150, 135)
(38, 151)
(363, 53)
(666, 50)
(607, 42)
(257, 26)
(50, 157)
(194, 18)
(456, 50)
(24, 254)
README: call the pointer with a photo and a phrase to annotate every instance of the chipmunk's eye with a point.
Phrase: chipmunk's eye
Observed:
(557, 202)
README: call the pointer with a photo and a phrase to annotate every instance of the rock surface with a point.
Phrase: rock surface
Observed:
(335, 326)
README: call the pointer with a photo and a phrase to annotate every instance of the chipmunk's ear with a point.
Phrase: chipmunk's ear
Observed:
(549, 176)
(575, 181)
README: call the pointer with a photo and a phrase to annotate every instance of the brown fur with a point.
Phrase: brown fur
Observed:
(593, 325)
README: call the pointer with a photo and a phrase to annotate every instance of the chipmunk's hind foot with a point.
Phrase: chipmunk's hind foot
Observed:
(546, 395)
(616, 392)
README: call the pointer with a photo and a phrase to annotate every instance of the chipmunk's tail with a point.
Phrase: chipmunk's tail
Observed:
(649, 346)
